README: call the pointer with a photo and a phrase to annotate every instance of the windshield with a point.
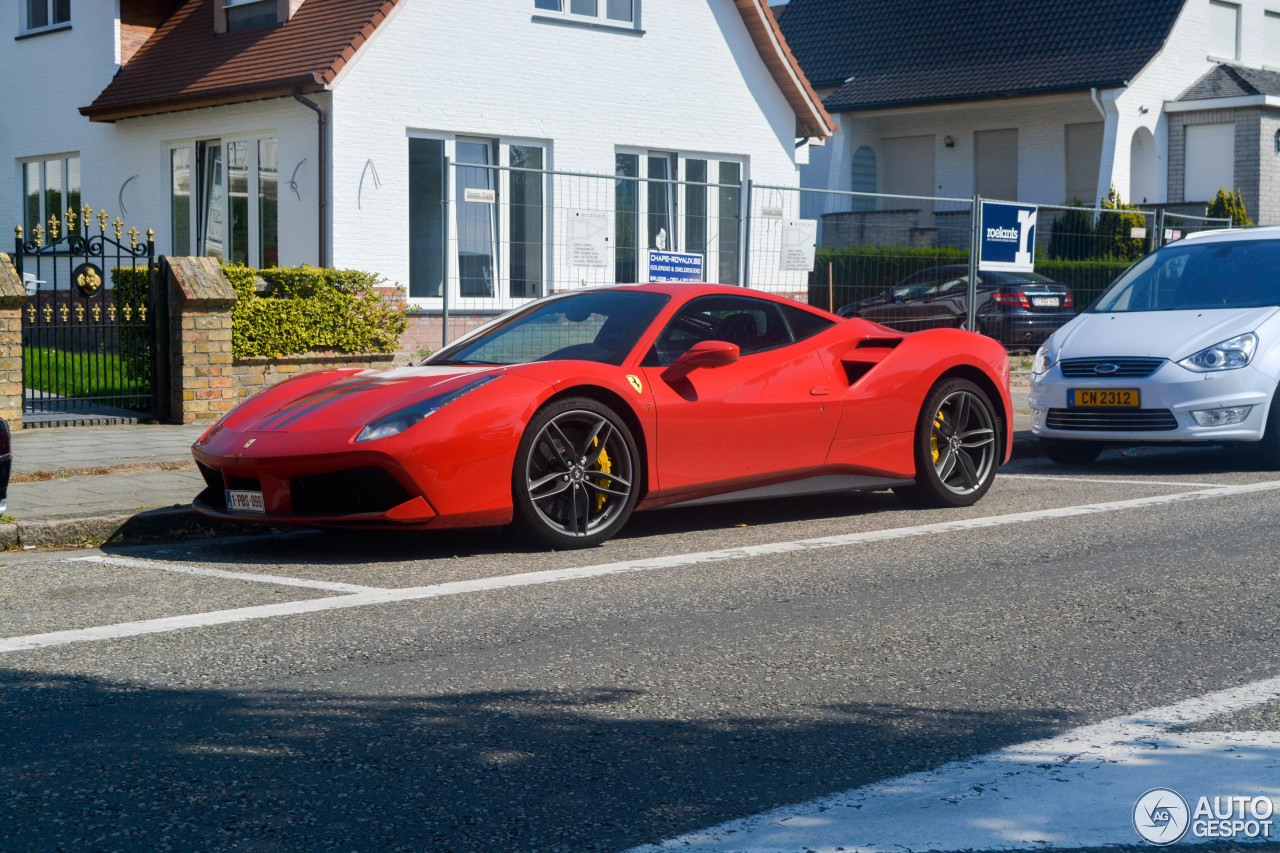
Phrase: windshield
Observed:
(1193, 275)
(600, 325)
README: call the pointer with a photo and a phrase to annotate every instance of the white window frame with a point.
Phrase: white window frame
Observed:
(600, 18)
(1234, 55)
(1270, 26)
(194, 201)
(50, 6)
(42, 163)
(502, 300)
(711, 257)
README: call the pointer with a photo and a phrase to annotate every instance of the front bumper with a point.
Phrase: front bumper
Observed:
(1168, 397)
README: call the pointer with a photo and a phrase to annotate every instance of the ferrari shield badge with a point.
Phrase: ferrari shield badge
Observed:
(635, 383)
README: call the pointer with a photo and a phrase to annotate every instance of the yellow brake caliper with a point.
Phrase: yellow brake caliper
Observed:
(938, 421)
(604, 466)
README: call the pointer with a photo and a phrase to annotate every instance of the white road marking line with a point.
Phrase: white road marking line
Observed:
(1069, 479)
(1072, 791)
(388, 596)
(280, 580)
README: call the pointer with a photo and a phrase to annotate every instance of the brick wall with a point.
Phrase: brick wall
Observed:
(12, 297)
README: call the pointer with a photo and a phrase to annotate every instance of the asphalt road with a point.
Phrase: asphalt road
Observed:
(459, 692)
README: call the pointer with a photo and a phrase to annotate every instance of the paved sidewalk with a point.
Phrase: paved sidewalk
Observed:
(149, 481)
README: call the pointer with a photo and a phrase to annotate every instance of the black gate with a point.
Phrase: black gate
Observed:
(90, 349)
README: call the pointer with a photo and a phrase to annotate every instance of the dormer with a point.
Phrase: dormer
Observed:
(231, 16)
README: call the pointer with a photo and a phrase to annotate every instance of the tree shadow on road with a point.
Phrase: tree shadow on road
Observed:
(89, 764)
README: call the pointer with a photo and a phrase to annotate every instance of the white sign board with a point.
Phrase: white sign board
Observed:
(482, 196)
(671, 266)
(799, 237)
(588, 238)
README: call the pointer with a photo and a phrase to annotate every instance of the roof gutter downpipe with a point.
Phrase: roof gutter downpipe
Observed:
(1093, 95)
(321, 126)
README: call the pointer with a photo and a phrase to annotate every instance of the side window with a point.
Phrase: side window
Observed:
(754, 325)
(804, 324)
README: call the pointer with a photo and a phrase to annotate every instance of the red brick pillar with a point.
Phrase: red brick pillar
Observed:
(12, 297)
(201, 297)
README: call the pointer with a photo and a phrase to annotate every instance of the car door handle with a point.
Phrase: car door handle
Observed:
(820, 390)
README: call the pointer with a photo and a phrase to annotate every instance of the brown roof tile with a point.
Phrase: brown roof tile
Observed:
(185, 64)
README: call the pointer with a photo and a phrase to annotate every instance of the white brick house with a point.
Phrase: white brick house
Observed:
(1049, 102)
(203, 120)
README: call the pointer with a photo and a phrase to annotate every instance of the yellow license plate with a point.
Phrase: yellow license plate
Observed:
(1104, 398)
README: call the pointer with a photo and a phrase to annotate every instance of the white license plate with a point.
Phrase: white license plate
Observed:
(1045, 301)
(245, 502)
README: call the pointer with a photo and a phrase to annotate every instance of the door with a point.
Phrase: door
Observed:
(771, 413)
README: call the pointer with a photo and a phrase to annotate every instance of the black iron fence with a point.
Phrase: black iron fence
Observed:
(90, 348)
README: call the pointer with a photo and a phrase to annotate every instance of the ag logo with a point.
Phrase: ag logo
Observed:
(636, 384)
(1161, 816)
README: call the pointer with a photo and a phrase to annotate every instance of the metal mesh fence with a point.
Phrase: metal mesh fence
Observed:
(499, 236)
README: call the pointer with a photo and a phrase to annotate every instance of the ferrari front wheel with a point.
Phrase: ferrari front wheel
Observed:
(956, 447)
(576, 477)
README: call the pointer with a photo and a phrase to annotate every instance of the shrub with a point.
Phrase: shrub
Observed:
(306, 308)
(131, 286)
(1114, 229)
(1230, 204)
(1071, 237)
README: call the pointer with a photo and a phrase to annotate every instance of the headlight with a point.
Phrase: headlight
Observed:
(1227, 355)
(1043, 361)
(399, 421)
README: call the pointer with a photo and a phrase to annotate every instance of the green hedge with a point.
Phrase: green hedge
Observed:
(860, 273)
(306, 308)
(131, 286)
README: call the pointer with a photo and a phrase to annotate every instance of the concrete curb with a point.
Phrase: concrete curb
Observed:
(169, 522)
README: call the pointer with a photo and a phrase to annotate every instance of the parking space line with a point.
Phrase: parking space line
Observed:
(1069, 479)
(389, 596)
(1070, 789)
(280, 580)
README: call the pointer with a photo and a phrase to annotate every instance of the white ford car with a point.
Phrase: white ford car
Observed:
(1184, 347)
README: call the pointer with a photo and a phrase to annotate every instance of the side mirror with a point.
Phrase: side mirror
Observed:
(701, 354)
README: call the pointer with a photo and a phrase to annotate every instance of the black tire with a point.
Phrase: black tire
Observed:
(1269, 452)
(957, 447)
(577, 474)
(1070, 452)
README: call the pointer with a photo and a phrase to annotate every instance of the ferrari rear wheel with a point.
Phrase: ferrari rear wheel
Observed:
(576, 474)
(956, 448)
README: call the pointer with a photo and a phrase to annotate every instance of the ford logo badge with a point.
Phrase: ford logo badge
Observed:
(1106, 368)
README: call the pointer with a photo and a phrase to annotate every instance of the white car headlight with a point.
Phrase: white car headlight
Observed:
(1227, 355)
(1044, 360)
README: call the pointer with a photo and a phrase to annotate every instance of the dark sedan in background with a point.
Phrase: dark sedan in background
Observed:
(1015, 308)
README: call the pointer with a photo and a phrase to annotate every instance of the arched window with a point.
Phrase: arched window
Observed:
(864, 178)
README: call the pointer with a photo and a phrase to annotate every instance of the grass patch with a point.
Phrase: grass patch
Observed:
(80, 374)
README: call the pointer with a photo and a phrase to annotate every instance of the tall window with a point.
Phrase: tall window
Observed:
(698, 214)
(1271, 39)
(864, 178)
(611, 12)
(476, 229)
(223, 200)
(47, 13)
(1224, 29)
(995, 164)
(50, 186)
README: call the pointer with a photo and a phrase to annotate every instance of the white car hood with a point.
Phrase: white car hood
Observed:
(1160, 334)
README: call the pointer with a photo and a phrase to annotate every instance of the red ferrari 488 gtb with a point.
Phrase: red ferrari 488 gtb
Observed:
(571, 412)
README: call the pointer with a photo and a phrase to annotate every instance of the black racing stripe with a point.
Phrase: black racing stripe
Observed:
(308, 404)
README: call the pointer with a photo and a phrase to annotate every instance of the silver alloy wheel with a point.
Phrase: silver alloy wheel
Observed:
(579, 473)
(963, 443)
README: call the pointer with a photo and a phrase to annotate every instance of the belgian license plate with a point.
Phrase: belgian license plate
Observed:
(1104, 398)
(1045, 301)
(245, 501)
